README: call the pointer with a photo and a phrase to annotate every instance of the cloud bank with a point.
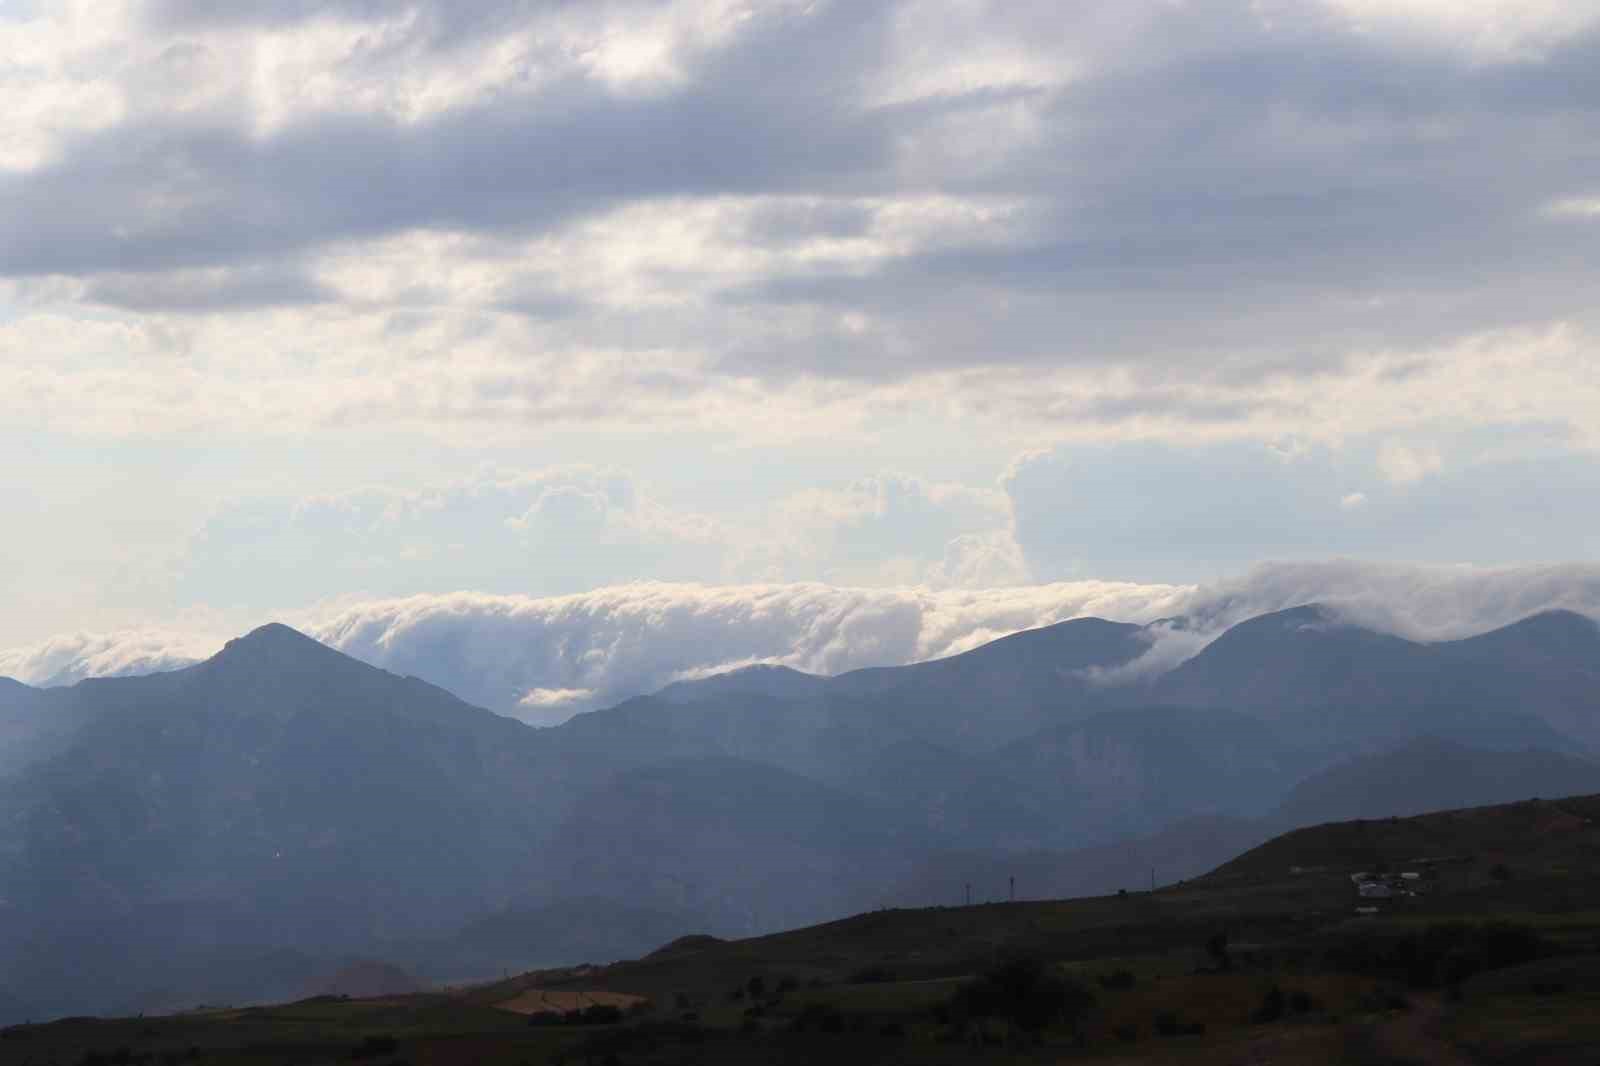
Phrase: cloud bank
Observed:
(546, 658)
(69, 658)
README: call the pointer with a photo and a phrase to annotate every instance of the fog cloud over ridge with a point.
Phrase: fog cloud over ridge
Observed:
(71, 657)
(546, 658)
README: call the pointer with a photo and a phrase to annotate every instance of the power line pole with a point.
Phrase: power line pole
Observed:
(1013, 888)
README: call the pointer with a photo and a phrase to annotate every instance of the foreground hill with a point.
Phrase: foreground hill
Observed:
(1263, 959)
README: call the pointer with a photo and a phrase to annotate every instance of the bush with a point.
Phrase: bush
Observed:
(1169, 1023)
(1117, 979)
(1025, 992)
(872, 975)
(374, 1046)
(1273, 1004)
(819, 1017)
(1441, 953)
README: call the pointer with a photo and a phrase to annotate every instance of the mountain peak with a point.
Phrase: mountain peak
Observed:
(277, 644)
(1551, 632)
(276, 632)
(1558, 622)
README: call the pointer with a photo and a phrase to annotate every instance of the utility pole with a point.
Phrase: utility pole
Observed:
(969, 893)
(1013, 888)
(1152, 878)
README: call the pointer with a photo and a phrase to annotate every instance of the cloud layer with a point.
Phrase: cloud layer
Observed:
(544, 659)
(694, 212)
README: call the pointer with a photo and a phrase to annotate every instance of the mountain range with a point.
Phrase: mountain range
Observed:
(281, 807)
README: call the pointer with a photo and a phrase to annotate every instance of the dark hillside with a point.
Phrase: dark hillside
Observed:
(1539, 835)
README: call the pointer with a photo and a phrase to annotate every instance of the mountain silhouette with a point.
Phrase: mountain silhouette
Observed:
(256, 819)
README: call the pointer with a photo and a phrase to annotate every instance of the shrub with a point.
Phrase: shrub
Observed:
(1272, 1006)
(1117, 979)
(374, 1046)
(1169, 1023)
(1441, 953)
(819, 1017)
(872, 975)
(1024, 991)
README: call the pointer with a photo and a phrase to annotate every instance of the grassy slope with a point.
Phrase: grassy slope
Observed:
(918, 957)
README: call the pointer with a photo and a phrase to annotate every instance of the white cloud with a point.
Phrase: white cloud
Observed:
(69, 658)
(544, 659)
(1493, 30)
(1353, 501)
(616, 642)
(1404, 464)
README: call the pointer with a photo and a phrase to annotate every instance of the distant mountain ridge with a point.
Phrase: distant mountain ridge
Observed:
(283, 797)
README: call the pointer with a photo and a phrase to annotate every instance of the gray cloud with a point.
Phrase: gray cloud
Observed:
(161, 193)
(1232, 183)
(207, 290)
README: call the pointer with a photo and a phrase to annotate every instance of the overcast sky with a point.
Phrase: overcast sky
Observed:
(311, 305)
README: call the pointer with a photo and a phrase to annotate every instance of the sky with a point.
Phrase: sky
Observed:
(617, 340)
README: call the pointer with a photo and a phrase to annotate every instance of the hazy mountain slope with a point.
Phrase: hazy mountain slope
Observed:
(1119, 773)
(968, 800)
(564, 933)
(278, 795)
(1547, 665)
(750, 846)
(1335, 685)
(996, 693)
(278, 770)
(1184, 849)
(1430, 774)
(25, 724)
